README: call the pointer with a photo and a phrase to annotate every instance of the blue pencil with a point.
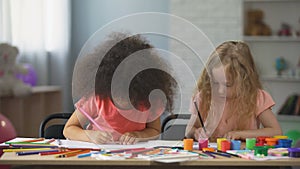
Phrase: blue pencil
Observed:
(84, 155)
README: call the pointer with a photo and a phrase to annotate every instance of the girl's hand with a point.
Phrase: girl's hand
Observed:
(128, 138)
(233, 135)
(200, 133)
(99, 137)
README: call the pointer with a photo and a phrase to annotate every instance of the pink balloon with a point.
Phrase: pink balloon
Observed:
(7, 130)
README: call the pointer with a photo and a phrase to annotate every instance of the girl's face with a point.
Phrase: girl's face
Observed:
(220, 84)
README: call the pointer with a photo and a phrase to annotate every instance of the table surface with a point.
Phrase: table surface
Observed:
(12, 159)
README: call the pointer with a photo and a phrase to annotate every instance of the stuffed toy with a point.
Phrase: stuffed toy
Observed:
(255, 25)
(9, 83)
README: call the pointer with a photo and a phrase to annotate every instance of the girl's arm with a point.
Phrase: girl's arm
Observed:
(193, 127)
(270, 128)
(73, 130)
(151, 131)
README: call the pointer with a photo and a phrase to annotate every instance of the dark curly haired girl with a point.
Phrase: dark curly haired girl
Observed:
(132, 88)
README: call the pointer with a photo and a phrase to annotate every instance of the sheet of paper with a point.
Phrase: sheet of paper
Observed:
(82, 144)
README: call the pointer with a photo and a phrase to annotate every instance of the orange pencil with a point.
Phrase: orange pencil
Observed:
(71, 154)
(53, 153)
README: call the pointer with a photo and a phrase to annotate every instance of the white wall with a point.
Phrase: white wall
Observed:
(219, 21)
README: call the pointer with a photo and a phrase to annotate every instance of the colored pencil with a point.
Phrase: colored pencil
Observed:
(142, 151)
(50, 141)
(219, 153)
(35, 152)
(90, 118)
(200, 118)
(209, 154)
(71, 154)
(84, 155)
(51, 153)
(25, 149)
(125, 150)
(235, 155)
(33, 146)
(26, 141)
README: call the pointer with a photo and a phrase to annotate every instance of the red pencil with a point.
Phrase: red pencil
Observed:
(34, 140)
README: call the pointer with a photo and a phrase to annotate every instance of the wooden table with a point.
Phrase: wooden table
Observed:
(47, 162)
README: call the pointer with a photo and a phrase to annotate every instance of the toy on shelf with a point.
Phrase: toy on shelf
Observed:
(255, 25)
(285, 30)
(280, 65)
(9, 83)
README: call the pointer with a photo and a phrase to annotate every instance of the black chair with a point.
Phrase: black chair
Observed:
(173, 126)
(48, 129)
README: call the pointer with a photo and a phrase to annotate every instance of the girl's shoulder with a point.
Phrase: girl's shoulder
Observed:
(264, 99)
(262, 94)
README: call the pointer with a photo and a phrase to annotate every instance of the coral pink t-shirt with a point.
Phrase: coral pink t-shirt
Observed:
(110, 118)
(264, 102)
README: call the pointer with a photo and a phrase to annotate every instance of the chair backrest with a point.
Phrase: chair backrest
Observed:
(50, 130)
(173, 126)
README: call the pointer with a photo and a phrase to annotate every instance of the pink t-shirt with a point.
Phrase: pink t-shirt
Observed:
(110, 118)
(264, 102)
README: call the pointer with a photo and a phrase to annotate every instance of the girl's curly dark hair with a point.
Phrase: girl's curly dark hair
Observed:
(119, 47)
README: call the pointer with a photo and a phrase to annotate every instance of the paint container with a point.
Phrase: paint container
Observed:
(271, 141)
(284, 143)
(260, 150)
(225, 145)
(250, 143)
(281, 137)
(203, 143)
(188, 144)
(261, 140)
(294, 152)
(219, 140)
(235, 144)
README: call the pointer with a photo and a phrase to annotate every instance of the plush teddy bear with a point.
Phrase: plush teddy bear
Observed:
(9, 83)
(255, 25)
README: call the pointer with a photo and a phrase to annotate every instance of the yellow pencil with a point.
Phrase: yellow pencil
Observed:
(25, 149)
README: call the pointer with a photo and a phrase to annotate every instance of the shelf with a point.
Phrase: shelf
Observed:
(280, 79)
(271, 39)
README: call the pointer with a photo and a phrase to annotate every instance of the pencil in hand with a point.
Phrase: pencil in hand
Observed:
(200, 118)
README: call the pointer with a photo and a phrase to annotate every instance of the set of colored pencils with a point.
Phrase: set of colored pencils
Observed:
(42, 147)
